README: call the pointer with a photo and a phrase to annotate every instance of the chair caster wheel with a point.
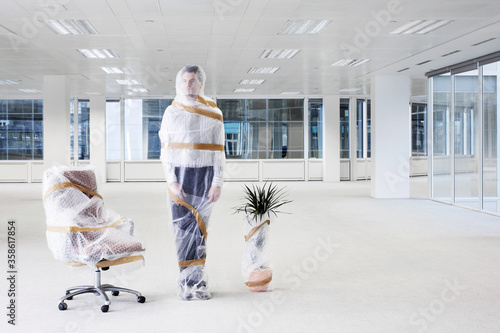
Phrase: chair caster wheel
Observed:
(69, 298)
(63, 306)
(115, 293)
(105, 308)
(141, 299)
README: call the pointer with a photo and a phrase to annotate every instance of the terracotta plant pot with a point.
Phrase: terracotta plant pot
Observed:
(259, 280)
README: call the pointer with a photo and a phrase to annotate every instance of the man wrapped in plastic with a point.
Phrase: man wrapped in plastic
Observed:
(192, 135)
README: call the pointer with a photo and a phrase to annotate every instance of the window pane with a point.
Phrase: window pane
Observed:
(113, 120)
(286, 128)
(419, 129)
(286, 110)
(344, 128)
(142, 123)
(262, 129)
(368, 128)
(3, 107)
(491, 165)
(20, 106)
(466, 139)
(232, 109)
(256, 110)
(83, 130)
(21, 132)
(441, 159)
(359, 127)
(316, 128)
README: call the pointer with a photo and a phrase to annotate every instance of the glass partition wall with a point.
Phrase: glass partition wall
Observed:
(490, 138)
(464, 128)
(466, 139)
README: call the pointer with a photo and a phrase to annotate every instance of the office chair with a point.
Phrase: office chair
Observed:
(82, 232)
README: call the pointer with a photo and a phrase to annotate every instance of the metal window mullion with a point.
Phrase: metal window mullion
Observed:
(430, 141)
(452, 137)
(122, 140)
(364, 149)
(76, 132)
(480, 140)
(306, 127)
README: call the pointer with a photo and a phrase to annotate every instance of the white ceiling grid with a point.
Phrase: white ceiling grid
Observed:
(154, 38)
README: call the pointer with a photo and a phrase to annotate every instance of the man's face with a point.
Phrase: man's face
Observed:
(190, 84)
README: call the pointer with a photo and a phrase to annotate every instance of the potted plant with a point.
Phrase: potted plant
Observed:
(260, 205)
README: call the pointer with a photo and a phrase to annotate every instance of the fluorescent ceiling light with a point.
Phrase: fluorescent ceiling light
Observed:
(128, 82)
(350, 90)
(98, 54)
(350, 62)
(71, 27)
(94, 93)
(300, 27)
(279, 54)
(117, 70)
(30, 90)
(49, 7)
(8, 82)
(243, 90)
(252, 81)
(137, 90)
(290, 93)
(263, 70)
(419, 27)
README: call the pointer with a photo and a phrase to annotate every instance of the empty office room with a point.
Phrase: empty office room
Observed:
(250, 166)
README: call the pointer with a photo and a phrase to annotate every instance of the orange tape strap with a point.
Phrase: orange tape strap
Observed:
(81, 229)
(197, 215)
(207, 103)
(254, 230)
(196, 110)
(68, 184)
(195, 262)
(193, 146)
(108, 263)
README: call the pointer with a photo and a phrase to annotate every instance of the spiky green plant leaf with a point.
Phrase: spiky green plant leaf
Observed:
(262, 200)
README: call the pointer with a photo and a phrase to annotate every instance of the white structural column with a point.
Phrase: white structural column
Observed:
(97, 125)
(390, 137)
(56, 121)
(331, 138)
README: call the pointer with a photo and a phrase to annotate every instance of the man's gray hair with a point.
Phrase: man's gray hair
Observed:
(200, 73)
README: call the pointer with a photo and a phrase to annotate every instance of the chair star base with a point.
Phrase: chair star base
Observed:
(98, 289)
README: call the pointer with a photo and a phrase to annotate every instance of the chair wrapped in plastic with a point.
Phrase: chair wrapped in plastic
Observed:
(82, 232)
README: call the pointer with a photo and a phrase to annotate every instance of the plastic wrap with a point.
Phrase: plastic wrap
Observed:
(255, 268)
(80, 230)
(192, 135)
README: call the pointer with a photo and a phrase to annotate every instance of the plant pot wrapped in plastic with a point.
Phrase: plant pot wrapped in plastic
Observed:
(255, 268)
(258, 205)
(80, 230)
